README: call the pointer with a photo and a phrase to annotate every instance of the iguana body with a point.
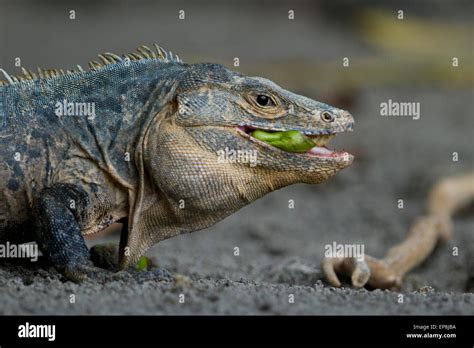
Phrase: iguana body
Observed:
(147, 153)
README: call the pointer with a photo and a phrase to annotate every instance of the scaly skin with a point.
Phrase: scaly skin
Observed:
(151, 148)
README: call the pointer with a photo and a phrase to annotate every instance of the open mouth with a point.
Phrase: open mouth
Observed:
(299, 143)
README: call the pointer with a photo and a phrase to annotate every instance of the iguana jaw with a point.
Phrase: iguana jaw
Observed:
(320, 151)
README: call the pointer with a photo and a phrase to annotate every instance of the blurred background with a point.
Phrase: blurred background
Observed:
(404, 56)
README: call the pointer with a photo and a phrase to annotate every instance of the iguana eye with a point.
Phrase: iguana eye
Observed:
(264, 100)
(327, 116)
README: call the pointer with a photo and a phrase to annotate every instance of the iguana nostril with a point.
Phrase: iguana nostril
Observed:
(327, 116)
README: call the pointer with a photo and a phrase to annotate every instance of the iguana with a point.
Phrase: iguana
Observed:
(134, 139)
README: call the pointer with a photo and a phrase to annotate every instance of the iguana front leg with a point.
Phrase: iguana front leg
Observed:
(58, 211)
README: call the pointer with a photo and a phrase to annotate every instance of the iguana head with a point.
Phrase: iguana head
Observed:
(220, 109)
(198, 151)
(204, 142)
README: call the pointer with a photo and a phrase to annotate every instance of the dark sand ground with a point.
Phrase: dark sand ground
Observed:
(280, 248)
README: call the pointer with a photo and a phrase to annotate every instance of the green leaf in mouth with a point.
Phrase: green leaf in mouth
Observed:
(291, 141)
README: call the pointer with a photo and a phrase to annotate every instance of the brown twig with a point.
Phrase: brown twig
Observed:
(444, 200)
